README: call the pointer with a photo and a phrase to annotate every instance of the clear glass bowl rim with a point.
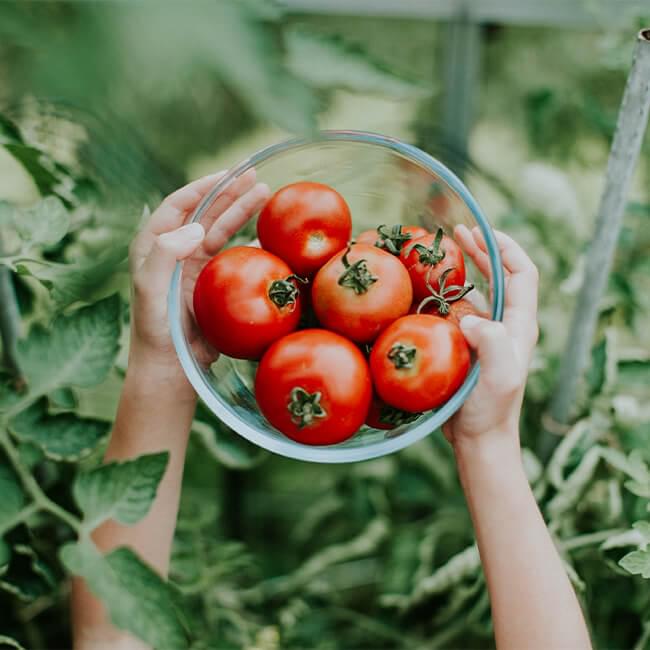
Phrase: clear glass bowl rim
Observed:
(335, 453)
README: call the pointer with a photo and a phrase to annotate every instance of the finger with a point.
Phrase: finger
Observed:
(153, 277)
(463, 237)
(237, 188)
(174, 208)
(493, 346)
(521, 292)
(235, 217)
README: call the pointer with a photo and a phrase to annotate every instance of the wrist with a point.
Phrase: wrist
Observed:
(489, 449)
(150, 373)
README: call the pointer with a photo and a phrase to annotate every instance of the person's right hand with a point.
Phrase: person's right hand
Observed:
(504, 349)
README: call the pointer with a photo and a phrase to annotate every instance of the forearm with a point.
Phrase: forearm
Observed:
(533, 602)
(152, 416)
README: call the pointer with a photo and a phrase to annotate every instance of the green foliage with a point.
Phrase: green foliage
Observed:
(120, 491)
(272, 553)
(136, 596)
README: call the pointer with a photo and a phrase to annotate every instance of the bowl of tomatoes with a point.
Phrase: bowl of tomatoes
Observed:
(327, 330)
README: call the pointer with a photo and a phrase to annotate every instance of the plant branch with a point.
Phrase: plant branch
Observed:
(9, 325)
(632, 121)
(19, 517)
(41, 500)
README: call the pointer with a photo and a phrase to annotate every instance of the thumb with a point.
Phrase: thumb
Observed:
(491, 342)
(168, 248)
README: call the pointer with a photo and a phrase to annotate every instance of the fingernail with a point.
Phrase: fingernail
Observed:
(469, 322)
(191, 232)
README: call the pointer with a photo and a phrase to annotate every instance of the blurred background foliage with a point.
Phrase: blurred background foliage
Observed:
(105, 107)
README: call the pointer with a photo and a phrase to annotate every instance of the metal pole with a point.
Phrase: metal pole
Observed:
(626, 146)
(462, 64)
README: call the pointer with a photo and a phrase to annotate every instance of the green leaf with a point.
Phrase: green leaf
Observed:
(328, 62)
(43, 224)
(637, 563)
(9, 642)
(64, 437)
(84, 281)
(5, 555)
(27, 577)
(120, 491)
(62, 399)
(595, 375)
(137, 598)
(228, 448)
(644, 528)
(78, 350)
(12, 497)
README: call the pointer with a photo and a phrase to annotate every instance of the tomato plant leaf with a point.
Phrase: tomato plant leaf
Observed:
(120, 491)
(43, 224)
(27, 575)
(637, 563)
(644, 528)
(7, 641)
(63, 437)
(84, 281)
(227, 448)
(78, 350)
(62, 399)
(12, 497)
(329, 62)
(137, 598)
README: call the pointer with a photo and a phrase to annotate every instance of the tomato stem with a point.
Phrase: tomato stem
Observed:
(392, 239)
(285, 292)
(304, 407)
(357, 276)
(432, 255)
(402, 355)
(442, 297)
(396, 417)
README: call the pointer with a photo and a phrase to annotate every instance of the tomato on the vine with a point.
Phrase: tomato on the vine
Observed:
(360, 291)
(305, 224)
(428, 257)
(419, 362)
(314, 386)
(385, 416)
(244, 299)
(391, 238)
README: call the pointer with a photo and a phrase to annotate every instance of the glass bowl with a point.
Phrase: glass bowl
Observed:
(383, 180)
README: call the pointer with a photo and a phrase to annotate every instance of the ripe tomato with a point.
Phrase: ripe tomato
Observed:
(305, 224)
(391, 238)
(244, 299)
(360, 291)
(419, 362)
(314, 386)
(428, 257)
(384, 416)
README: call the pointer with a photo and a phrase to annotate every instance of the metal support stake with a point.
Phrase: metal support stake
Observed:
(626, 146)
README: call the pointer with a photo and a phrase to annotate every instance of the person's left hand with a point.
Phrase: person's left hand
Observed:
(164, 240)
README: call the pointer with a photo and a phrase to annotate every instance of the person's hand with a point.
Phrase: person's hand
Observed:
(504, 349)
(164, 240)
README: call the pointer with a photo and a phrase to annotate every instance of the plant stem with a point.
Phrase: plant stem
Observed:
(9, 324)
(20, 517)
(41, 500)
(632, 121)
(589, 539)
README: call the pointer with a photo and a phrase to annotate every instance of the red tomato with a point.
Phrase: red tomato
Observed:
(391, 238)
(314, 386)
(360, 291)
(384, 416)
(419, 362)
(244, 299)
(428, 257)
(305, 224)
